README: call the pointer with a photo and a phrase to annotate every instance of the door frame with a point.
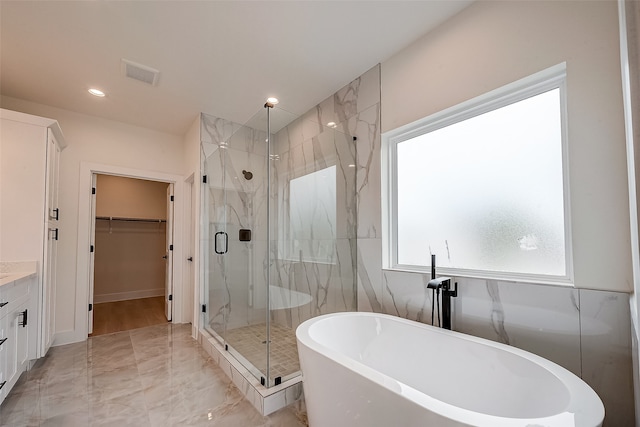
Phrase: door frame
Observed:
(189, 279)
(170, 259)
(87, 169)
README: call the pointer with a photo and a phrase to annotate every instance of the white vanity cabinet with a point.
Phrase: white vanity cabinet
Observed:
(15, 331)
(30, 149)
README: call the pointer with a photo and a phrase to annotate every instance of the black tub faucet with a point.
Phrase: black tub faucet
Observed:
(443, 283)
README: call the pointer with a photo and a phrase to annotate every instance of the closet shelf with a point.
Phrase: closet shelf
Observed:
(116, 218)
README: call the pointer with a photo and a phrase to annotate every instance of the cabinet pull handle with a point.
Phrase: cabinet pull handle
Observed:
(2, 304)
(55, 233)
(2, 384)
(57, 214)
(3, 340)
(24, 319)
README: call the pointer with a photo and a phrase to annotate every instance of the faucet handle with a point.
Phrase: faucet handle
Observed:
(440, 282)
(447, 289)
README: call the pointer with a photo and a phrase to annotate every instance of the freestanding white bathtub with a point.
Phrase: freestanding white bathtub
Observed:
(366, 369)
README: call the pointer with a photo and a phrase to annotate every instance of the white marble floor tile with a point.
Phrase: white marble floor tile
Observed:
(155, 376)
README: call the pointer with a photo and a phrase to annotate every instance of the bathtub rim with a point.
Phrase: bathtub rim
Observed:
(584, 403)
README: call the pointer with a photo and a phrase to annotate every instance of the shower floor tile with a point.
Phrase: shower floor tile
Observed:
(251, 342)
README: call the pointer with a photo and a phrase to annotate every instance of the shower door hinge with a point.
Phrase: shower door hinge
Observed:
(355, 138)
(204, 178)
(170, 247)
(226, 347)
(90, 307)
(91, 248)
(171, 198)
(93, 190)
(278, 381)
(262, 381)
(204, 308)
(171, 297)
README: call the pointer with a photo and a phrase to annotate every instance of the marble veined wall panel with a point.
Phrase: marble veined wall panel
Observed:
(406, 295)
(365, 126)
(356, 97)
(606, 353)
(214, 130)
(544, 320)
(369, 269)
(307, 145)
(586, 332)
(331, 286)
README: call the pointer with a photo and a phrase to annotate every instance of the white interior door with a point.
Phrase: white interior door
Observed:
(168, 293)
(92, 248)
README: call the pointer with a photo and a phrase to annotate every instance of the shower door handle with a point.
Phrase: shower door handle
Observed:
(226, 243)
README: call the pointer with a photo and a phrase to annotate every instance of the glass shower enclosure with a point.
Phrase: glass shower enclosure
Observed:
(278, 234)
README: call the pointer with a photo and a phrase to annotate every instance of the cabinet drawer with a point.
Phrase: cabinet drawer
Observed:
(12, 294)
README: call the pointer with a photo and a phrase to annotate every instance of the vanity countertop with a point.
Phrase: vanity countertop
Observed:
(6, 278)
(12, 271)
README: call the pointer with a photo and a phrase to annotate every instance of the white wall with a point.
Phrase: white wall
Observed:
(191, 166)
(130, 198)
(490, 44)
(91, 139)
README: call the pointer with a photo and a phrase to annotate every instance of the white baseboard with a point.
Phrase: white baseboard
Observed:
(124, 296)
(67, 337)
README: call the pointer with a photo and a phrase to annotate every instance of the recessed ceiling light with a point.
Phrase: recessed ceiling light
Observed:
(352, 165)
(96, 92)
(332, 125)
(272, 100)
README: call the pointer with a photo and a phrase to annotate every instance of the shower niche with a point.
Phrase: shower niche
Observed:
(278, 235)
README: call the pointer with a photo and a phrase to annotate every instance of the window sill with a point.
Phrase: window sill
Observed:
(485, 275)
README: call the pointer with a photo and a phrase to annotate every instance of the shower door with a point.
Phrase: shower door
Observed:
(213, 223)
(235, 196)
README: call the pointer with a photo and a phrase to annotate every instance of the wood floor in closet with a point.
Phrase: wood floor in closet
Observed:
(109, 317)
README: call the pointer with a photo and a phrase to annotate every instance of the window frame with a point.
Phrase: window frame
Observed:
(552, 78)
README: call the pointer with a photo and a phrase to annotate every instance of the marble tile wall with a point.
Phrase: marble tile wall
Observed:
(309, 144)
(587, 332)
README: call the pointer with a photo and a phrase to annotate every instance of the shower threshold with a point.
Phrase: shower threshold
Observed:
(265, 400)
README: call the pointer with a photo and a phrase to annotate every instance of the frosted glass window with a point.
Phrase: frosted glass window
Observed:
(312, 216)
(486, 193)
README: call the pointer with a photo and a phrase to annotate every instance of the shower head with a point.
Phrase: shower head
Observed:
(247, 175)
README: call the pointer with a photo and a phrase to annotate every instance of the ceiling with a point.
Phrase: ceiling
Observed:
(219, 57)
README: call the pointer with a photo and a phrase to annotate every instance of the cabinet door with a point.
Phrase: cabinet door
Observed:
(49, 292)
(22, 336)
(11, 367)
(53, 162)
(52, 232)
(14, 349)
(4, 351)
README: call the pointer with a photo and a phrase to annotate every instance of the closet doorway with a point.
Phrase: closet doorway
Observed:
(132, 248)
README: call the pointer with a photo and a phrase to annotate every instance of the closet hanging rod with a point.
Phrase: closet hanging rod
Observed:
(116, 218)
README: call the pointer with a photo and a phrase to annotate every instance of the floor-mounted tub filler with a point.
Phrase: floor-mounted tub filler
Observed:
(366, 369)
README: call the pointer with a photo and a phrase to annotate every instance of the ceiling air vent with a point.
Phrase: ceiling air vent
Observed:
(140, 72)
